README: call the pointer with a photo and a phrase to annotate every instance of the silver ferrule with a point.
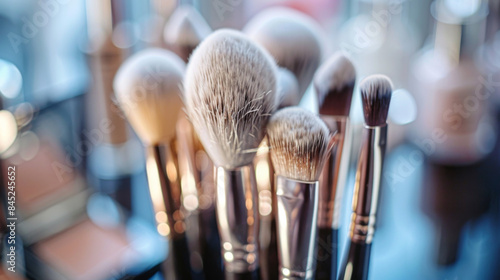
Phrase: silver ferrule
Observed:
(296, 218)
(334, 174)
(238, 218)
(367, 184)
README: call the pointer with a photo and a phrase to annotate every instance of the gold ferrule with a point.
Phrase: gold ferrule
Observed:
(362, 228)
(162, 171)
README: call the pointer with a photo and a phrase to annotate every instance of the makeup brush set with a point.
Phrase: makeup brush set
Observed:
(264, 149)
(231, 89)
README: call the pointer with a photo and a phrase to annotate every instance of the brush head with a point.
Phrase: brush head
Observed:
(230, 91)
(376, 92)
(185, 29)
(288, 89)
(292, 38)
(147, 88)
(334, 84)
(299, 144)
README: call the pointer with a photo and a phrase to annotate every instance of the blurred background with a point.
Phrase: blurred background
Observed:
(81, 196)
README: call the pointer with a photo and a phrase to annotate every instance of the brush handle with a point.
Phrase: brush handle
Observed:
(357, 263)
(250, 275)
(212, 259)
(181, 258)
(326, 258)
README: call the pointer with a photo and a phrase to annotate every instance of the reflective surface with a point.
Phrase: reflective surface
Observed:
(238, 218)
(297, 216)
(367, 186)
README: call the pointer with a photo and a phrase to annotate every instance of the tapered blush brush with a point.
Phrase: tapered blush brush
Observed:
(376, 92)
(299, 143)
(147, 87)
(230, 91)
(292, 38)
(334, 85)
(185, 29)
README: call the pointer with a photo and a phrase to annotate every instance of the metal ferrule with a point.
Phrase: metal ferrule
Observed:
(189, 177)
(367, 184)
(334, 173)
(162, 171)
(297, 216)
(238, 218)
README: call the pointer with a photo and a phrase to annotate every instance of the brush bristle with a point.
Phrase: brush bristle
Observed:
(185, 29)
(376, 92)
(148, 90)
(230, 90)
(299, 144)
(292, 38)
(288, 89)
(334, 84)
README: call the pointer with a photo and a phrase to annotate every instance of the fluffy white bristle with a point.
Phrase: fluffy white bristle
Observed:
(185, 29)
(148, 89)
(299, 143)
(292, 38)
(230, 90)
(288, 89)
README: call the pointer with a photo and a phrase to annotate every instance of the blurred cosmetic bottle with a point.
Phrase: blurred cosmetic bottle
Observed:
(455, 129)
(115, 156)
(455, 125)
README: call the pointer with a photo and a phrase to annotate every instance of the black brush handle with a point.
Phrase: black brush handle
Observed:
(212, 259)
(273, 266)
(326, 258)
(251, 275)
(181, 258)
(357, 263)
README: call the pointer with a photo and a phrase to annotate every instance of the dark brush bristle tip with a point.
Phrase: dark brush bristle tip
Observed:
(376, 92)
(334, 84)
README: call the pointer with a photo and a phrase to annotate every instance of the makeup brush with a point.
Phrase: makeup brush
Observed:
(292, 38)
(185, 29)
(230, 90)
(147, 87)
(334, 84)
(183, 32)
(376, 92)
(288, 95)
(299, 146)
